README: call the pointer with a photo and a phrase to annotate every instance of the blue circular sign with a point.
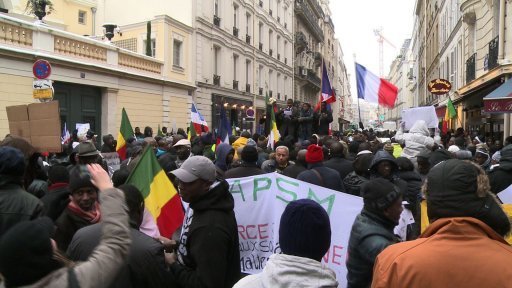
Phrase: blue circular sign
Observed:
(42, 69)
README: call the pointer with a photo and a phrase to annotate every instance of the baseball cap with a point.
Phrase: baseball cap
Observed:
(195, 167)
(182, 142)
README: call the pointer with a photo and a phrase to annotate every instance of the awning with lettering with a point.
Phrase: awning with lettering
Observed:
(499, 100)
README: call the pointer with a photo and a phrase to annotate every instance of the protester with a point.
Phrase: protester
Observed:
(57, 198)
(300, 165)
(372, 230)
(223, 157)
(417, 139)
(208, 254)
(467, 227)
(137, 133)
(413, 180)
(281, 161)
(183, 148)
(16, 204)
(306, 118)
(87, 153)
(83, 209)
(288, 117)
(322, 119)
(249, 157)
(241, 142)
(148, 132)
(338, 161)
(146, 263)
(360, 175)
(208, 141)
(482, 156)
(304, 238)
(423, 163)
(462, 153)
(500, 178)
(108, 144)
(28, 257)
(317, 173)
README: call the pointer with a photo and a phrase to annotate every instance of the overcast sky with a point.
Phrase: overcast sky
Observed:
(355, 20)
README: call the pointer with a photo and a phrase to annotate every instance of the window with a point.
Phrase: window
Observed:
(270, 82)
(82, 16)
(153, 47)
(261, 32)
(247, 70)
(177, 47)
(235, 63)
(235, 15)
(216, 58)
(247, 24)
(216, 7)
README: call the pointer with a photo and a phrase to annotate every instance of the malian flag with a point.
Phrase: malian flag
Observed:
(160, 197)
(374, 89)
(125, 132)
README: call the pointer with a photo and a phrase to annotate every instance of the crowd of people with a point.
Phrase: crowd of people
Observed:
(69, 220)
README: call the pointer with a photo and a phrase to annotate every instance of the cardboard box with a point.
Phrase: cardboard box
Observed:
(38, 123)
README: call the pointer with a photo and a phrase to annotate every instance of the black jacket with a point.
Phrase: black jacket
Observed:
(244, 170)
(329, 178)
(353, 183)
(501, 177)
(371, 233)
(145, 266)
(342, 165)
(208, 254)
(67, 225)
(16, 204)
(322, 121)
(288, 122)
(56, 200)
(294, 170)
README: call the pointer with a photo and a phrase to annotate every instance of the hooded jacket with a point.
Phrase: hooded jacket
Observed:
(208, 253)
(221, 153)
(371, 233)
(501, 177)
(284, 270)
(446, 255)
(16, 204)
(417, 139)
(380, 156)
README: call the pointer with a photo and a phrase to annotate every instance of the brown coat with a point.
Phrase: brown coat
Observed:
(452, 252)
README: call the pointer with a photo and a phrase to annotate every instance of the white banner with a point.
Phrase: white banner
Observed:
(259, 202)
(425, 113)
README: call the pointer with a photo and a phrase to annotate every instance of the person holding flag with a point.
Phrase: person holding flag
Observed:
(323, 110)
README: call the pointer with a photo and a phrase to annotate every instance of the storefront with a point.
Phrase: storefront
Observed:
(236, 112)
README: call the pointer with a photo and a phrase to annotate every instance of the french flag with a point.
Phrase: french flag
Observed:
(224, 127)
(328, 95)
(197, 120)
(374, 89)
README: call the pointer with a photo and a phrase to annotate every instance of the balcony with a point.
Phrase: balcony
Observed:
(261, 4)
(270, 52)
(470, 68)
(248, 88)
(278, 19)
(318, 58)
(270, 12)
(216, 20)
(278, 56)
(260, 91)
(248, 39)
(216, 80)
(301, 42)
(235, 32)
(315, 80)
(492, 61)
(235, 85)
(306, 14)
(261, 46)
(71, 48)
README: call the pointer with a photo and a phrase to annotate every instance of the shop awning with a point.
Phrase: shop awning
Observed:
(499, 100)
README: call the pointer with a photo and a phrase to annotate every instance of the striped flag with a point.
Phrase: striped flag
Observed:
(125, 132)
(66, 137)
(449, 114)
(197, 120)
(374, 89)
(160, 197)
(274, 133)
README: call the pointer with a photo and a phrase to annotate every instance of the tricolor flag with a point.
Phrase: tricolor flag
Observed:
(160, 197)
(274, 135)
(224, 127)
(197, 120)
(328, 95)
(449, 114)
(66, 137)
(374, 89)
(125, 132)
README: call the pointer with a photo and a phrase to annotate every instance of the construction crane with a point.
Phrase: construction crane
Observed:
(381, 39)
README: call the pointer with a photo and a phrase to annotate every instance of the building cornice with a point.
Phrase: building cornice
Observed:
(482, 80)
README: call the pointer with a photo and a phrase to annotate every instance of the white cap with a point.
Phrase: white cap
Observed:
(183, 142)
(453, 149)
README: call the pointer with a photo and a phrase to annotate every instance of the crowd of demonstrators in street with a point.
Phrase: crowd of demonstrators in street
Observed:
(63, 224)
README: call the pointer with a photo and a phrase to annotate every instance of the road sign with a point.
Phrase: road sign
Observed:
(43, 93)
(41, 69)
(42, 84)
(250, 113)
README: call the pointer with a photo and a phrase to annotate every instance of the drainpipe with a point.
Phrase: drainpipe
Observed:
(93, 10)
(501, 32)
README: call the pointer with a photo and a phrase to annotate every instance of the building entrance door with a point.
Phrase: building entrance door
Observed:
(79, 104)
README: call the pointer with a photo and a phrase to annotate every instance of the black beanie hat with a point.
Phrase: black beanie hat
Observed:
(79, 177)
(249, 154)
(26, 253)
(12, 161)
(452, 192)
(58, 174)
(379, 193)
(305, 230)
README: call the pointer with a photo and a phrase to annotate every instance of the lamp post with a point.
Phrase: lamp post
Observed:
(109, 30)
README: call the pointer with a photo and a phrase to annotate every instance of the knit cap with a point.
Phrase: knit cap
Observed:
(314, 154)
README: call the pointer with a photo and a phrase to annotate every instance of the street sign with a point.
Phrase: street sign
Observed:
(250, 113)
(42, 84)
(41, 69)
(439, 86)
(43, 93)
